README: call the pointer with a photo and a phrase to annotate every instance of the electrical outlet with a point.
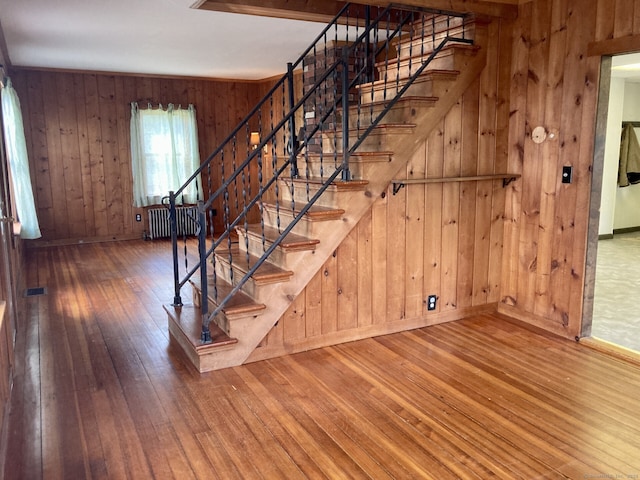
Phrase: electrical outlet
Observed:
(431, 302)
(138, 217)
(567, 174)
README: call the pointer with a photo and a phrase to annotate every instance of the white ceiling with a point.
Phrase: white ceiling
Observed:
(626, 66)
(164, 37)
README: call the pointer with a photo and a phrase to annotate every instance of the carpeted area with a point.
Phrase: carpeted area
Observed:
(616, 311)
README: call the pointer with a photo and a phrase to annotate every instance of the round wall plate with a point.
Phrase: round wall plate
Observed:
(539, 135)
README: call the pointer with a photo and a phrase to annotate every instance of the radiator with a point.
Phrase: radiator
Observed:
(160, 226)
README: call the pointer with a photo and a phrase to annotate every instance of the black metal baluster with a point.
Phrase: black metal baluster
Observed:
(214, 273)
(308, 108)
(376, 41)
(177, 299)
(398, 62)
(226, 213)
(359, 66)
(325, 106)
(205, 335)
(260, 172)
(284, 155)
(244, 199)
(346, 175)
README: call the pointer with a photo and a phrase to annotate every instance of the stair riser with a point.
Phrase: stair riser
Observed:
(224, 272)
(423, 86)
(401, 112)
(438, 24)
(303, 227)
(308, 228)
(313, 167)
(223, 321)
(235, 327)
(278, 256)
(220, 320)
(449, 60)
(359, 170)
(376, 141)
(327, 199)
(421, 38)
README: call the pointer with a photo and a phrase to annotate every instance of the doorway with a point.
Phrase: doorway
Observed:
(611, 309)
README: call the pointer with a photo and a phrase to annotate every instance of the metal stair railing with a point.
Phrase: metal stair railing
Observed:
(303, 114)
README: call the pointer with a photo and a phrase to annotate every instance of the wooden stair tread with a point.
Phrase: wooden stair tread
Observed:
(266, 273)
(240, 303)
(426, 75)
(412, 99)
(380, 129)
(314, 214)
(417, 59)
(189, 319)
(449, 49)
(291, 241)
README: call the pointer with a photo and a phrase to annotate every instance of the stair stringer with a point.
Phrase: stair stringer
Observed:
(278, 297)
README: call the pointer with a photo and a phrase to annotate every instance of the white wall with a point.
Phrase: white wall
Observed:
(611, 154)
(627, 212)
(619, 207)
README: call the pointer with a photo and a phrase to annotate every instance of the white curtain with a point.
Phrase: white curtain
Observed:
(164, 153)
(16, 148)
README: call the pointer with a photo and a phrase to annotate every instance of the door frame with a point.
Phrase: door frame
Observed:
(602, 110)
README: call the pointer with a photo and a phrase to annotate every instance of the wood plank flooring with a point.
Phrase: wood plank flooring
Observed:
(101, 393)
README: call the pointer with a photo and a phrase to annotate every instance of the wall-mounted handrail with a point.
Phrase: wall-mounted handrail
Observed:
(506, 178)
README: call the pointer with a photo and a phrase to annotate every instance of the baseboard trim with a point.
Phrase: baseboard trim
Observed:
(617, 231)
(361, 333)
(606, 236)
(625, 354)
(550, 325)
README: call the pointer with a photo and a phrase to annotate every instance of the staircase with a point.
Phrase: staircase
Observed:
(360, 120)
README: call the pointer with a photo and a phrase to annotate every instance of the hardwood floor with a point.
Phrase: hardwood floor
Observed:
(101, 393)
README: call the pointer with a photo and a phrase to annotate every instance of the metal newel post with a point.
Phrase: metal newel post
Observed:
(205, 336)
(177, 299)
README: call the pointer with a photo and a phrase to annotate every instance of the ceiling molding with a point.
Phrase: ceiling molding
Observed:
(613, 46)
(322, 11)
(325, 10)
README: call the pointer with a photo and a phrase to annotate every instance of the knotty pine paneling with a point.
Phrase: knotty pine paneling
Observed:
(442, 238)
(554, 85)
(77, 130)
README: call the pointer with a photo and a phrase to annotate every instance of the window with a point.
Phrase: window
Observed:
(16, 148)
(164, 154)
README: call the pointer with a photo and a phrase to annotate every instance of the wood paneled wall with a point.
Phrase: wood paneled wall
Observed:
(443, 239)
(554, 85)
(77, 129)
(77, 132)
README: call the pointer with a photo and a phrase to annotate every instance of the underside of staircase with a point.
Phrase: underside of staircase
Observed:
(253, 311)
